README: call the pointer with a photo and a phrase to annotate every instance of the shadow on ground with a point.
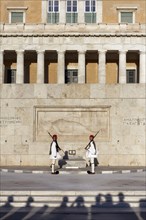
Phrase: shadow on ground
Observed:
(101, 210)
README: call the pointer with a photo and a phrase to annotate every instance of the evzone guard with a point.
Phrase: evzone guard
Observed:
(54, 152)
(91, 153)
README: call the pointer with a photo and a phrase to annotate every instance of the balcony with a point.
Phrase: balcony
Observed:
(73, 29)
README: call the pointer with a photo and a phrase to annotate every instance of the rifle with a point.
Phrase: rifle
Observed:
(86, 148)
(52, 138)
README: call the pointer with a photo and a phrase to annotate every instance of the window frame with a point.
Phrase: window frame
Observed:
(72, 11)
(10, 77)
(70, 77)
(90, 5)
(92, 15)
(126, 9)
(135, 75)
(71, 16)
(53, 6)
(17, 9)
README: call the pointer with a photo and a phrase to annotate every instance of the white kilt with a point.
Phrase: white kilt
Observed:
(90, 155)
(55, 158)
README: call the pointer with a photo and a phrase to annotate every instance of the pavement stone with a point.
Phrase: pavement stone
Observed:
(98, 170)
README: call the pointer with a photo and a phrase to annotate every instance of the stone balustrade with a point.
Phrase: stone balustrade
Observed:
(101, 28)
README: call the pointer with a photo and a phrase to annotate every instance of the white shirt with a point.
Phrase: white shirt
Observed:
(53, 149)
(91, 152)
(54, 154)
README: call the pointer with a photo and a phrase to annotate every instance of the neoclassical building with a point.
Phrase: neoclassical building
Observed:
(73, 67)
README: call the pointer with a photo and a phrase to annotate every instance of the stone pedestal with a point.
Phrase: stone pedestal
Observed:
(72, 161)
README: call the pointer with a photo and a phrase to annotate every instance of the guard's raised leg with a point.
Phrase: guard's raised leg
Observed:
(53, 168)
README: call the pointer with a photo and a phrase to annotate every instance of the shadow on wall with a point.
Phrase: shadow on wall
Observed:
(76, 210)
(62, 161)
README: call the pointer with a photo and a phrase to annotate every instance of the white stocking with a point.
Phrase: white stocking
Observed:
(53, 168)
(53, 165)
(92, 165)
(92, 168)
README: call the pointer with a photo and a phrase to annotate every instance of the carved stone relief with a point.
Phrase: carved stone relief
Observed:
(72, 124)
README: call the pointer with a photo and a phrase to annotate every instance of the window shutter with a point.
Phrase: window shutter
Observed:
(53, 18)
(90, 17)
(127, 17)
(16, 17)
(71, 17)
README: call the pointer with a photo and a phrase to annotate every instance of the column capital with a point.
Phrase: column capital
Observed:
(102, 51)
(20, 51)
(123, 51)
(61, 51)
(81, 51)
(142, 52)
(40, 51)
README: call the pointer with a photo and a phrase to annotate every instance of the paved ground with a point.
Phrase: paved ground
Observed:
(64, 213)
(25, 181)
(99, 169)
(40, 179)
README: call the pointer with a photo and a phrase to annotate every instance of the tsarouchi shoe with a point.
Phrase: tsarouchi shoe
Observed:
(56, 172)
(89, 172)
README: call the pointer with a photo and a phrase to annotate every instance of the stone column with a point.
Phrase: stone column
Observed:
(61, 67)
(81, 6)
(20, 67)
(142, 67)
(122, 67)
(102, 66)
(1, 66)
(62, 13)
(81, 67)
(40, 66)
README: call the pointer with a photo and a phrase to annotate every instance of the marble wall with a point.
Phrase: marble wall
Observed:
(73, 112)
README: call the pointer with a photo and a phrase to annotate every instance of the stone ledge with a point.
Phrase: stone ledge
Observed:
(76, 171)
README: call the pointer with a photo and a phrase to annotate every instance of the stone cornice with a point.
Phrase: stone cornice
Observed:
(16, 8)
(73, 35)
(127, 8)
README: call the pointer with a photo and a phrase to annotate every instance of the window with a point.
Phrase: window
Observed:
(16, 15)
(10, 76)
(126, 17)
(71, 11)
(90, 11)
(127, 14)
(71, 76)
(131, 76)
(53, 11)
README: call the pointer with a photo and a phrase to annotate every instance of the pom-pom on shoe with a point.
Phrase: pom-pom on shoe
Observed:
(89, 172)
(56, 172)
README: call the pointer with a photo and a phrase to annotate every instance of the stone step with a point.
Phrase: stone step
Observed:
(75, 163)
(71, 198)
(69, 193)
(57, 198)
(69, 204)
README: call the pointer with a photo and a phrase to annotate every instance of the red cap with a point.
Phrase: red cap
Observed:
(54, 136)
(91, 136)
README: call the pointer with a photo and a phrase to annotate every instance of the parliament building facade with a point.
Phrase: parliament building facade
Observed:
(73, 67)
